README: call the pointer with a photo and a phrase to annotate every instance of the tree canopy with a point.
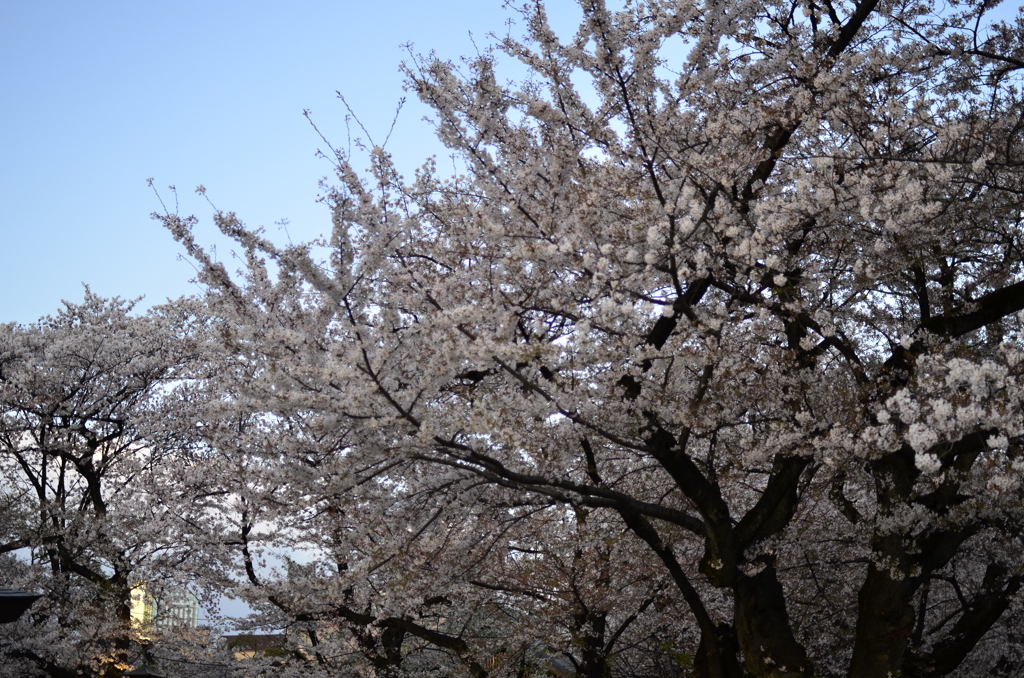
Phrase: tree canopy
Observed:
(706, 361)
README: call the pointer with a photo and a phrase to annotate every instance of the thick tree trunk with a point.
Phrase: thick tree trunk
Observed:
(594, 662)
(717, 654)
(884, 625)
(763, 629)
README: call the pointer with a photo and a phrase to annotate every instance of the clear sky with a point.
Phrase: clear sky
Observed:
(95, 97)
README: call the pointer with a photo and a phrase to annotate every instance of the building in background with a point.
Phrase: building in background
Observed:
(158, 609)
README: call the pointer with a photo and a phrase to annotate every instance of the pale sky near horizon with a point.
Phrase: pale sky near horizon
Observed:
(97, 97)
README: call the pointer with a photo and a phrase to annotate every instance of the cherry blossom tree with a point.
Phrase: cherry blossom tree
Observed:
(321, 546)
(372, 577)
(743, 277)
(85, 445)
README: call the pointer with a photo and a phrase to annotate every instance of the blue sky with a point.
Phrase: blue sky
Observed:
(95, 97)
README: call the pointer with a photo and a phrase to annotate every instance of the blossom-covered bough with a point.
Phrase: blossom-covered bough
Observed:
(92, 478)
(744, 276)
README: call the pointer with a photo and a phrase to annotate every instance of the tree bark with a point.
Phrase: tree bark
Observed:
(763, 628)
